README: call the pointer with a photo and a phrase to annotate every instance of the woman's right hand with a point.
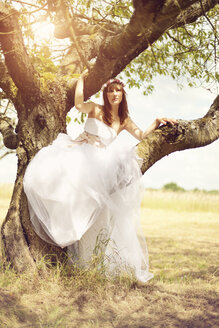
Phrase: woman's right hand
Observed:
(157, 123)
(164, 120)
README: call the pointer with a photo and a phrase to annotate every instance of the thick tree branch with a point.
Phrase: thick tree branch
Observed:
(17, 60)
(6, 83)
(151, 17)
(187, 135)
(9, 88)
(139, 27)
(150, 20)
(10, 139)
(193, 12)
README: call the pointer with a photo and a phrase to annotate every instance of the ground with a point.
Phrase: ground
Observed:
(182, 230)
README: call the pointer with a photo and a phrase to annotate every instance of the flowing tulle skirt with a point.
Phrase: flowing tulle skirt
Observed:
(88, 198)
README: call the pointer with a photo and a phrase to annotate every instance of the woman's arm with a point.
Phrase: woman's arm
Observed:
(132, 128)
(79, 97)
(156, 124)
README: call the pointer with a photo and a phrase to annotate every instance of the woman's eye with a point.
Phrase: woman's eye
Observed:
(117, 90)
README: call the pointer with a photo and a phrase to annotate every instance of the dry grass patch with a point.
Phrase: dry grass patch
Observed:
(184, 252)
(59, 304)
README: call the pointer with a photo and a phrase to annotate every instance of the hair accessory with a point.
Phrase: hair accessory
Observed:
(111, 81)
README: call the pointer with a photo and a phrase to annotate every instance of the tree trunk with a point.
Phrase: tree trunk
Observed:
(21, 246)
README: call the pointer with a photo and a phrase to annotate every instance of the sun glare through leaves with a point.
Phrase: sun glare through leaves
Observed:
(43, 31)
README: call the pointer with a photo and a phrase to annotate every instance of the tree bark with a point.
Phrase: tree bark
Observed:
(21, 246)
(42, 108)
(17, 59)
(7, 130)
(185, 135)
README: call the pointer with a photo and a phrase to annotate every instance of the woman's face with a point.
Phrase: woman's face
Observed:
(114, 94)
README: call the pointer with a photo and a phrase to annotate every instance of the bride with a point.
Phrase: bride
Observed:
(84, 194)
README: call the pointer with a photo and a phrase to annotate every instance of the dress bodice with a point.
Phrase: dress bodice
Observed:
(100, 129)
(97, 133)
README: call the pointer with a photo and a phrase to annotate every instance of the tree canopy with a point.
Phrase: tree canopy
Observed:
(180, 40)
(183, 44)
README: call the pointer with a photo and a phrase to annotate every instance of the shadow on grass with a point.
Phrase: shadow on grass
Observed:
(150, 306)
(163, 309)
(154, 305)
(207, 274)
(12, 313)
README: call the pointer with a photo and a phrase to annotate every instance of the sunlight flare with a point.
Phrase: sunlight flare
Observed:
(43, 31)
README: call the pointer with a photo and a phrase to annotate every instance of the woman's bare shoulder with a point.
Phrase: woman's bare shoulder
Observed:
(97, 111)
(127, 122)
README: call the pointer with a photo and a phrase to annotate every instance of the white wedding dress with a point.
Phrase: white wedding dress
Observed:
(85, 194)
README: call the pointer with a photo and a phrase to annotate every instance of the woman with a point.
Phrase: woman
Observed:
(84, 193)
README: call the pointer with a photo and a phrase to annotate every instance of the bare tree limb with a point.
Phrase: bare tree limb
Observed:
(210, 23)
(85, 28)
(187, 135)
(27, 3)
(73, 37)
(6, 154)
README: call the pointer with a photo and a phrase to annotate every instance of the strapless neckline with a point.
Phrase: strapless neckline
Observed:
(96, 119)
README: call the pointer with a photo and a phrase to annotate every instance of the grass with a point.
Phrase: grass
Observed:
(182, 236)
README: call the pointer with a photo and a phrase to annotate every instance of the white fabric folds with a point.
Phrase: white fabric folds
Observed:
(85, 192)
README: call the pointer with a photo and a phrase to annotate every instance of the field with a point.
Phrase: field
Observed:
(182, 231)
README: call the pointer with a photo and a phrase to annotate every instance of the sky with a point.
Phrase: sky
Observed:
(194, 168)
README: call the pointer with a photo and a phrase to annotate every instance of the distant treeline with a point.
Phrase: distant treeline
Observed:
(172, 186)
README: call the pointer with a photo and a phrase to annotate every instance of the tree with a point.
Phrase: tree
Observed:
(105, 40)
(172, 186)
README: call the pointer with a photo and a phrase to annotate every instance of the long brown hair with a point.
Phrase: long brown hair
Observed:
(123, 106)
